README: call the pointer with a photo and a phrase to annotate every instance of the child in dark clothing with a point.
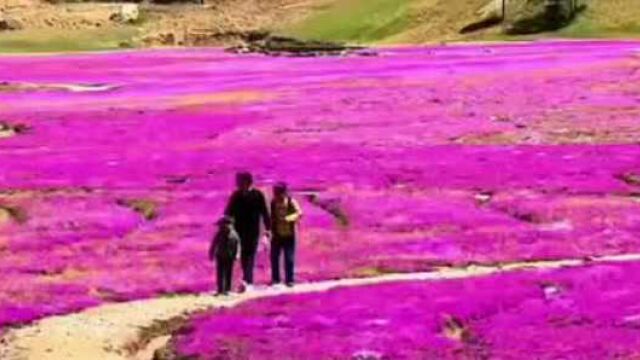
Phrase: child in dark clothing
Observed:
(224, 250)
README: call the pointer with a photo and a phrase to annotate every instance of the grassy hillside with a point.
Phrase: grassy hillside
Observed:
(357, 21)
(389, 21)
(353, 21)
(422, 21)
(56, 40)
(607, 18)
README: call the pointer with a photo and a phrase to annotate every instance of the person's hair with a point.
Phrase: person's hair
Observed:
(245, 177)
(226, 220)
(281, 187)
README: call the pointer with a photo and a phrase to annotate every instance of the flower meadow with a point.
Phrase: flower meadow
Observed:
(114, 166)
(580, 313)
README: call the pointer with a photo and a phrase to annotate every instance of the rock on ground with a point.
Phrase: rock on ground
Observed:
(126, 14)
(7, 23)
(490, 14)
(534, 16)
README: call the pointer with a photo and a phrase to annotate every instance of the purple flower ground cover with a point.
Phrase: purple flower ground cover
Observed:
(580, 313)
(114, 166)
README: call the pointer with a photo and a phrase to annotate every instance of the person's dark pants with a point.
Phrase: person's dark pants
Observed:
(288, 247)
(225, 274)
(249, 248)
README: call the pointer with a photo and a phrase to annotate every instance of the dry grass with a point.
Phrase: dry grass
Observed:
(86, 26)
(607, 18)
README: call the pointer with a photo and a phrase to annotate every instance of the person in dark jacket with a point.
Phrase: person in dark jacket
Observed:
(248, 206)
(224, 250)
(285, 214)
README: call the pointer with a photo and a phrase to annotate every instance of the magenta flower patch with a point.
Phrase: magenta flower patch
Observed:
(113, 167)
(585, 313)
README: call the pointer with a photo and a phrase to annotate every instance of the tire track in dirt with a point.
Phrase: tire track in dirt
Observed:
(106, 332)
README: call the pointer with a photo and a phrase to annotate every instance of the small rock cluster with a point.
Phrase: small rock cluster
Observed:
(8, 23)
(525, 16)
(126, 14)
(267, 44)
(534, 16)
(9, 130)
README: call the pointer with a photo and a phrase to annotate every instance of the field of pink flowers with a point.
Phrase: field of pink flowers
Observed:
(588, 313)
(114, 166)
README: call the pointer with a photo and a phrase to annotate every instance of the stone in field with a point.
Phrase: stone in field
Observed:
(127, 13)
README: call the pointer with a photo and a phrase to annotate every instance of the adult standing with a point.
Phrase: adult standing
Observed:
(248, 205)
(285, 214)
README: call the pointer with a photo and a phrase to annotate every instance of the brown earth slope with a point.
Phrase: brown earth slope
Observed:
(441, 20)
(216, 23)
(219, 21)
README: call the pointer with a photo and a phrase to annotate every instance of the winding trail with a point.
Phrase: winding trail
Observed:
(106, 332)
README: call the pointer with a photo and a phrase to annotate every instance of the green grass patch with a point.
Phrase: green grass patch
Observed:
(35, 41)
(356, 21)
(590, 28)
(583, 27)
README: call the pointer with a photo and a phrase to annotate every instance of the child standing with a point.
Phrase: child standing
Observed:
(285, 214)
(224, 250)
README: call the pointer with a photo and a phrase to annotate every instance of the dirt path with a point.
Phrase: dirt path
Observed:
(106, 332)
